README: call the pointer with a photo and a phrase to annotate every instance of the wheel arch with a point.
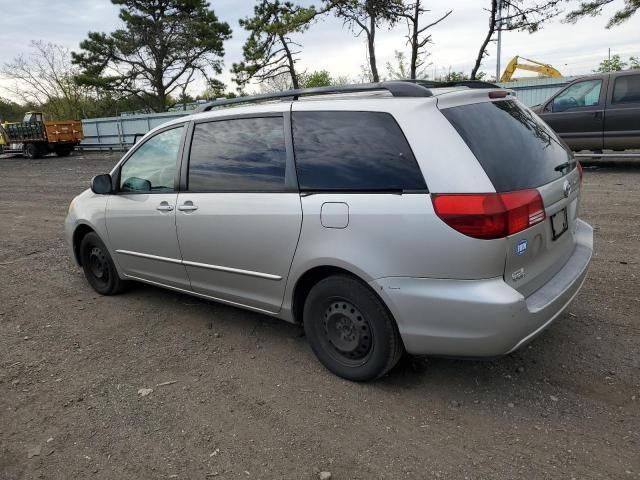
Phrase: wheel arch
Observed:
(79, 233)
(311, 277)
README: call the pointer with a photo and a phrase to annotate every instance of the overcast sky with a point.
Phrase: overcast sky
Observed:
(572, 49)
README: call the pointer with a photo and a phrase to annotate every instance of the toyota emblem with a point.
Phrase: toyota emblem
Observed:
(566, 188)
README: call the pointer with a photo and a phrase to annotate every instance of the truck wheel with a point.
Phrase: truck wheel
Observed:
(63, 152)
(350, 330)
(31, 151)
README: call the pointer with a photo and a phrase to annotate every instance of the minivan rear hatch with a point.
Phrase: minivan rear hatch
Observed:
(520, 153)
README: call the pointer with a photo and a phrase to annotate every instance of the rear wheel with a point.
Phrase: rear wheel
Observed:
(350, 330)
(63, 152)
(98, 266)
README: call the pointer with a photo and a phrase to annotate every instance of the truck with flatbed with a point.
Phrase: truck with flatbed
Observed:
(34, 137)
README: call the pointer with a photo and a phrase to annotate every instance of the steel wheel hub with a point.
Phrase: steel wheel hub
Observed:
(347, 330)
(98, 264)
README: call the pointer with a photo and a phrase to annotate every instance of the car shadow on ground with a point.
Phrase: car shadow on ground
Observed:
(420, 373)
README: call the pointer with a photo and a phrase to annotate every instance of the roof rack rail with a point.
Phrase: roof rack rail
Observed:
(396, 88)
(454, 83)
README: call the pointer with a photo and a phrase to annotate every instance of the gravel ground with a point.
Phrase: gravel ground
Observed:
(249, 400)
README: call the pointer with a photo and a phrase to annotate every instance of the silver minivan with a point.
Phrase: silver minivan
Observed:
(435, 219)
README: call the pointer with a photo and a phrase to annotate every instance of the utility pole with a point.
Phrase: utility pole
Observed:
(609, 62)
(499, 26)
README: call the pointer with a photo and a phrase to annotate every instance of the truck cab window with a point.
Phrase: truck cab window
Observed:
(581, 94)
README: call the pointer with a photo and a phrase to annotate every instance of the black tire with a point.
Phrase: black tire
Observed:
(63, 152)
(98, 266)
(31, 151)
(350, 330)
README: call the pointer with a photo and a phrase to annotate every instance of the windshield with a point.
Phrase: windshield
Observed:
(515, 148)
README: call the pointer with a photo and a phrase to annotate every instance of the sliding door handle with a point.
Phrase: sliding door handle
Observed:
(187, 206)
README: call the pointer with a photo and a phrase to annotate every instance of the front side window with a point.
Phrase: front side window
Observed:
(152, 167)
(244, 154)
(581, 94)
(627, 89)
(353, 151)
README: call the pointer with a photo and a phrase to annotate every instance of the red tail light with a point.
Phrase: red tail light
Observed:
(490, 215)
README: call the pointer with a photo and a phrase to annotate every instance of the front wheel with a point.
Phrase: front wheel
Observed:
(31, 151)
(350, 330)
(98, 266)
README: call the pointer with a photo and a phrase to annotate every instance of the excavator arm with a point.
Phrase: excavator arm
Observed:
(544, 69)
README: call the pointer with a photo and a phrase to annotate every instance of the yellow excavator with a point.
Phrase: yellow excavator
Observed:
(544, 69)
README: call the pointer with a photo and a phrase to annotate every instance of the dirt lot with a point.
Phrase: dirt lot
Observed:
(251, 401)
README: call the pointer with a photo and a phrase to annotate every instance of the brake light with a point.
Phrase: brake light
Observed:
(498, 94)
(490, 215)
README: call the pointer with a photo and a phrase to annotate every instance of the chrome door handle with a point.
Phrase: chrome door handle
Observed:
(164, 207)
(187, 207)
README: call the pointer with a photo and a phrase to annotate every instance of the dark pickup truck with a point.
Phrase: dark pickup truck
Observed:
(597, 112)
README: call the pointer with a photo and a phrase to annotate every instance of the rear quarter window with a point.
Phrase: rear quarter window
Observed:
(626, 89)
(515, 148)
(353, 151)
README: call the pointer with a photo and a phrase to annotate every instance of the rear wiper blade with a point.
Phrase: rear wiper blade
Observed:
(562, 166)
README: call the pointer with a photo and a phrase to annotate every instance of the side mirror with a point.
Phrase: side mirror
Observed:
(137, 136)
(101, 184)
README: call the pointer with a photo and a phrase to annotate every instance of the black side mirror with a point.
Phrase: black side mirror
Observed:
(137, 136)
(101, 184)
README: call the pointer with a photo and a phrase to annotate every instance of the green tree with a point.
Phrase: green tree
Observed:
(10, 111)
(593, 8)
(453, 76)
(614, 64)
(367, 16)
(269, 51)
(164, 46)
(514, 15)
(319, 78)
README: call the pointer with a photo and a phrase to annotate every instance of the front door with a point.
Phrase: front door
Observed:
(141, 216)
(238, 212)
(577, 114)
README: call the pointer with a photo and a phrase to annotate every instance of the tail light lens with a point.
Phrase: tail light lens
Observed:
(490, 215)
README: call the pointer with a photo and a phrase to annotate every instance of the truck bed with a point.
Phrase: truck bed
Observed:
(64, 131)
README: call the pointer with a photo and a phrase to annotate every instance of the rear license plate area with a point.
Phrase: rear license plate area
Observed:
(559, 223)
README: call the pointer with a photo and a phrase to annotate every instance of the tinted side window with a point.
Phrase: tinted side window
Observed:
(627, 89)
(152, 167)
(245, 154)
(353, 151)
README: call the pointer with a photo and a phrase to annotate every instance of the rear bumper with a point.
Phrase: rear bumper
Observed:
(481, 318)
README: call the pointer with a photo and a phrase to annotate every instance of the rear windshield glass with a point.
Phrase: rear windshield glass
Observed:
(515, 148)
